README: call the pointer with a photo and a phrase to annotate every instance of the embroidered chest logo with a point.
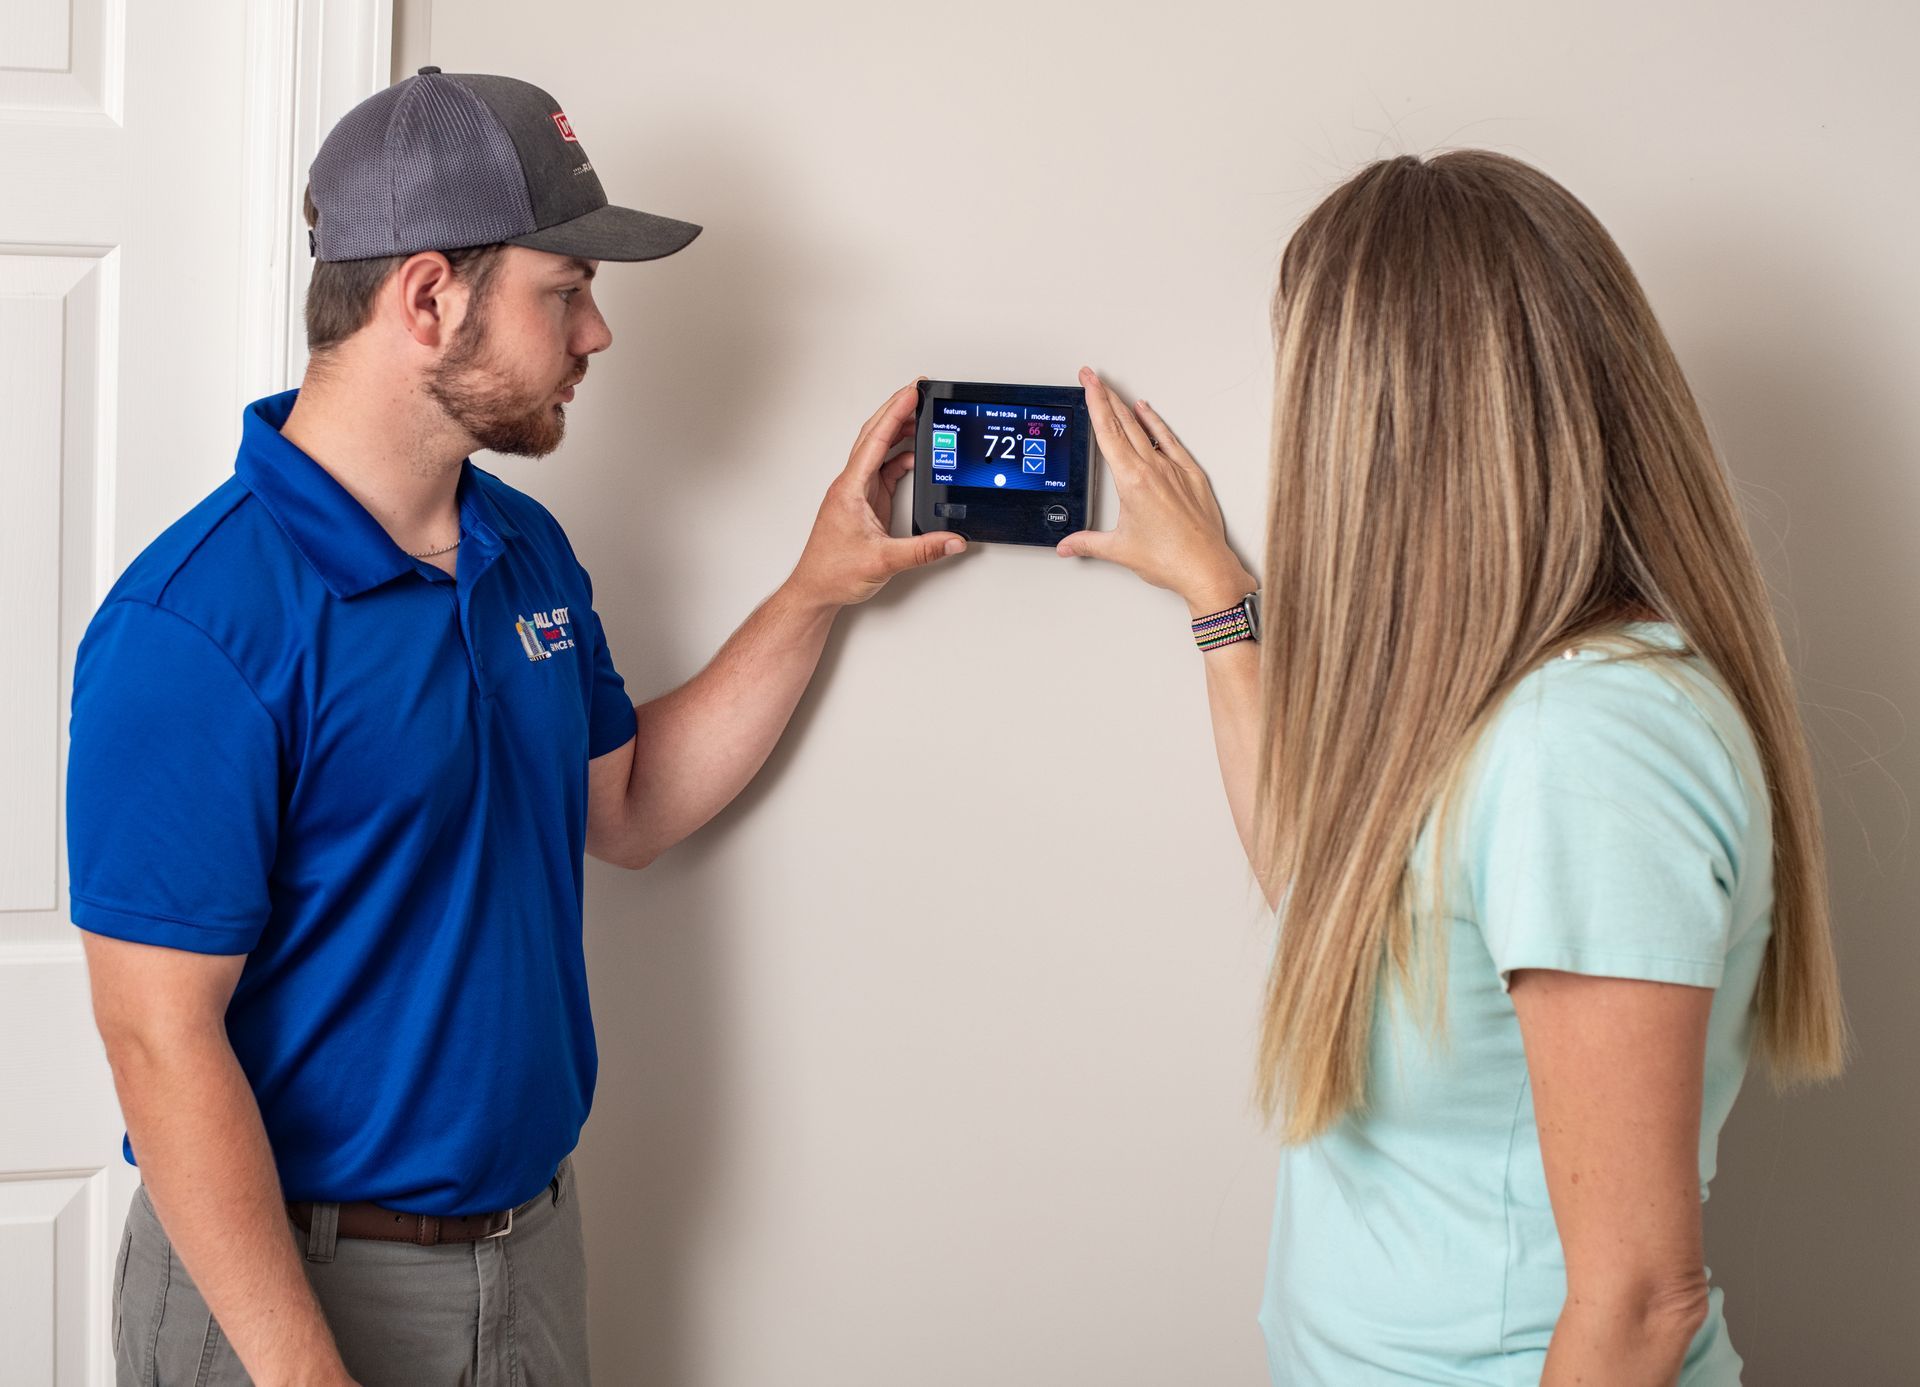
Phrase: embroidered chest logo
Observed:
(544, 632)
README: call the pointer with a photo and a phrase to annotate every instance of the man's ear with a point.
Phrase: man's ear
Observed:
(429, 297)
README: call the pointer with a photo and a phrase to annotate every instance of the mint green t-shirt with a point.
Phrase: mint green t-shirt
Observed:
(1615, 822)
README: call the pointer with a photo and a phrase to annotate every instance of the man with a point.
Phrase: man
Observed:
(340, 738)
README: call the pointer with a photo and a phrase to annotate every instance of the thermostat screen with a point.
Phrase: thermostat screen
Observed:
(1001, 447)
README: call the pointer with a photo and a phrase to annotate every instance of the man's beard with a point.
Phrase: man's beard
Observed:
(481, 396)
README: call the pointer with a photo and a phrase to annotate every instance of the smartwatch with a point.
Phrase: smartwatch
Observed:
(1237, 623)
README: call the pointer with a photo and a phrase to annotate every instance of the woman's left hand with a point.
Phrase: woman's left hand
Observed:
(1169, 531)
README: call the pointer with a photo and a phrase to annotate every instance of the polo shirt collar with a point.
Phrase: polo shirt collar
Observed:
(334, 533)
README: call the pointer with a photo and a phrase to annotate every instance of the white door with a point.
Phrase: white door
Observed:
(148, 158)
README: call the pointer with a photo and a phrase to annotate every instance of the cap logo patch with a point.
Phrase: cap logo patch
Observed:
(566, 129)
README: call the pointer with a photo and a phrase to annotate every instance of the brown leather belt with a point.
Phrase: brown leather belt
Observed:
(364, 1220)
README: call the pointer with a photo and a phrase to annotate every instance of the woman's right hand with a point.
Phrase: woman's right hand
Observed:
(1169, 530)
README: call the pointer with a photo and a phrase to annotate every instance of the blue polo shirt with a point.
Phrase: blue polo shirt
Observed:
(294, 742)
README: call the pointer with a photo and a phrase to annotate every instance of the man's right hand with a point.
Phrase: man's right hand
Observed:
(204, 1157)
(850, 555)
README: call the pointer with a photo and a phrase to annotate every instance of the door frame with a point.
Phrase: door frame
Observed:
(308, 63)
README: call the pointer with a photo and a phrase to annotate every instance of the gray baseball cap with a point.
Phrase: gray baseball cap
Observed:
(443, 160)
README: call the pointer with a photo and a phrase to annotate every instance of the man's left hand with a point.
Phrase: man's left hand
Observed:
(850, 555)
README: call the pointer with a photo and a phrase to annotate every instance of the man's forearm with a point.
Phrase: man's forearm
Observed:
(206, 1164)
(699, 746)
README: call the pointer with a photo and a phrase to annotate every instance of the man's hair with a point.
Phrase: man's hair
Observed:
(341, 293)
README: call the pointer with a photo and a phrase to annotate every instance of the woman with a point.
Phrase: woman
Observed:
(1518, 739)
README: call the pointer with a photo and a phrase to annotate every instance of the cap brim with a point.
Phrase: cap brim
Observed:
(612, 233)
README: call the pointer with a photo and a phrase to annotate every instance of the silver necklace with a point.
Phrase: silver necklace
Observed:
(433, 553)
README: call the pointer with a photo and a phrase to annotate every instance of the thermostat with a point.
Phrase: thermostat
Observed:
(1003, 464)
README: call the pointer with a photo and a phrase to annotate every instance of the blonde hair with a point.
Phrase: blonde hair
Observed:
(1484, 451)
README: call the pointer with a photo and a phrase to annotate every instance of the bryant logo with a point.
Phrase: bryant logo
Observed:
(566, 130)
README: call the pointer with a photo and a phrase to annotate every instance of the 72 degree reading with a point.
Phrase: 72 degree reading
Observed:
(1001, 445)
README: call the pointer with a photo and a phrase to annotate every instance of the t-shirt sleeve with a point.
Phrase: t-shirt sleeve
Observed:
(1606, 829)
(610, 717)
(173, 787)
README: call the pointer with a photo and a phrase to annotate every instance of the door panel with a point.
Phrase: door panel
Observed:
(151, 156)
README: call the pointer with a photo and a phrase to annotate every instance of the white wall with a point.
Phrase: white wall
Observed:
(927, 1063)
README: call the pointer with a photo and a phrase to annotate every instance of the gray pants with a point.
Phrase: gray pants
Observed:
(507, 1312)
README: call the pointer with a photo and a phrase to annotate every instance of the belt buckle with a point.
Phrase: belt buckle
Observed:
(503, 1232)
